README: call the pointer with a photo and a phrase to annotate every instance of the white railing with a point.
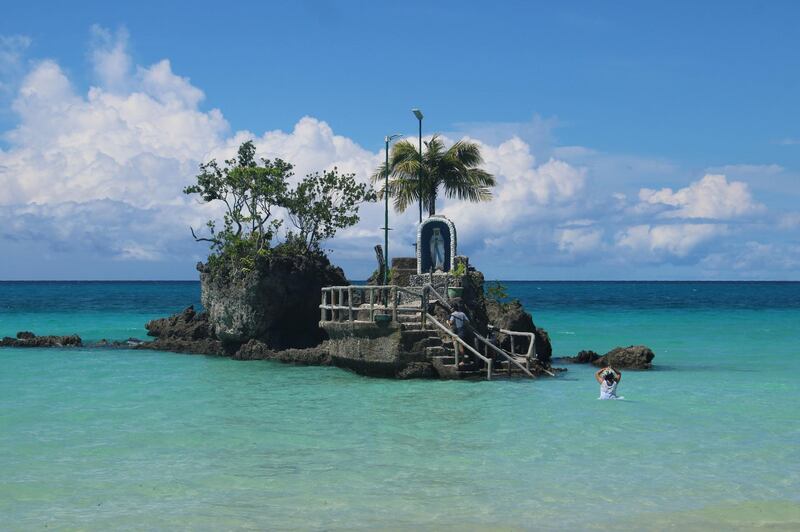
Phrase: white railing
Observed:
(456, 338)
(337, 304)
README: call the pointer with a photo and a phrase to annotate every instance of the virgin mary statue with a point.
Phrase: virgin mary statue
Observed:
(437, 250)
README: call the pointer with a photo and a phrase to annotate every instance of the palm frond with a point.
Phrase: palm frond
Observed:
(468, 153)
(379, 174)
(456, 169)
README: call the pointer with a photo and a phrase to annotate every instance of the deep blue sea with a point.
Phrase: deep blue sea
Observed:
(101, 439)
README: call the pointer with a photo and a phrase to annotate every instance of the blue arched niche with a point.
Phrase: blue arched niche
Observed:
(424, 234)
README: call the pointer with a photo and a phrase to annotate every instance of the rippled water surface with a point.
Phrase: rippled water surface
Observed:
(100, 439)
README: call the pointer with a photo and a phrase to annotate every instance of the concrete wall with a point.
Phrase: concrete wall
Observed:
(377, 350)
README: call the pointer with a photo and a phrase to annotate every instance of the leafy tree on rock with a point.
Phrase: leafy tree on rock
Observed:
(321, 204)
(254, 195)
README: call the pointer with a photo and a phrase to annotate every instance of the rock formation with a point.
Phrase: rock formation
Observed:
(184, 332)
(28, 339)
(277, 303)
(117, 344)
(512, 317)
(583, 357)
(631, 357)
(312, 356)
(187, 324)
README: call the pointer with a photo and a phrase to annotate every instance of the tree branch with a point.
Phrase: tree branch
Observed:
(198, 239)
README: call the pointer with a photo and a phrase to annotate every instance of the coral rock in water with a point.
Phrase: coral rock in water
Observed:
(632, 357)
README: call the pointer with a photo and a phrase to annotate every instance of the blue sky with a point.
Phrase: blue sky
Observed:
(631, 140)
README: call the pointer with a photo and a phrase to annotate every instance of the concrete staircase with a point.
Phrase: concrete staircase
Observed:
(439, 353)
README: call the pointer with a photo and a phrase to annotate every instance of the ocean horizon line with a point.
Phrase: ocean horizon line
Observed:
(610, 281)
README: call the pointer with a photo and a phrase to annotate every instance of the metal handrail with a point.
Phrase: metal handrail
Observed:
(458, 339)
(485, 341)
(531, 337)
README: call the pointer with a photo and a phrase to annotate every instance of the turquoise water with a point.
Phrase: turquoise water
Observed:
(99, 439)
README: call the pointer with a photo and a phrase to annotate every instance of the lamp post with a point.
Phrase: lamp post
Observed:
(387, 139)
(419, 116)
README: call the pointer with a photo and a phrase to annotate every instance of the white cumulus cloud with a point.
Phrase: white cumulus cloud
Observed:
(579, 240)
(525, 193)
(711, 197)
(677, 239)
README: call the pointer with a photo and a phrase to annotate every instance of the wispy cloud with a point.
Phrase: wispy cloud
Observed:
(789, 142)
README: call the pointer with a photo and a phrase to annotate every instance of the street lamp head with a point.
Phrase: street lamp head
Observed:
(417, 113)
(389, 138)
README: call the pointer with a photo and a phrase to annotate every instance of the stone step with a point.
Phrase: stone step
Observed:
(430, 341)
(446, 360)
(438, 351)
(412, 326)
(445, 366)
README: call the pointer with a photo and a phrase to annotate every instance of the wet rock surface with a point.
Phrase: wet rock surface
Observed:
(205, 346)
(29, 339)
(187, 331)
(256, 350)
(188, 325)
(631, 357)
(418, 370)
(119, 344)
(190, 332)
(583, 357)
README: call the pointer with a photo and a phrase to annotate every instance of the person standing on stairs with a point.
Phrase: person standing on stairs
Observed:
(458, 322)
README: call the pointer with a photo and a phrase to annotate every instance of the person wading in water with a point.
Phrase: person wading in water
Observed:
(608, 378)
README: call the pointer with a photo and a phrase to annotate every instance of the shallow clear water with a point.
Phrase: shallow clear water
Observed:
(99, 439)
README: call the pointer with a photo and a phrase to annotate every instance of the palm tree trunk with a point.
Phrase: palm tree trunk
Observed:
(432, 202)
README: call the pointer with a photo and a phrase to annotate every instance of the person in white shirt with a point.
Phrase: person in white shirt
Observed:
(608, 378)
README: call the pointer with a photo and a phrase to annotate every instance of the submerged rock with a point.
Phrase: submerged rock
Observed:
(205, 346)
(185, 332)
(124, 344)
(312, 356)
(583, 357)
(28, 339)
(631, 357)
(418, 370)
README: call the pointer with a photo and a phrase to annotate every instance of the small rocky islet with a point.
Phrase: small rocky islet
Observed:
(273, 313)
(266, 315)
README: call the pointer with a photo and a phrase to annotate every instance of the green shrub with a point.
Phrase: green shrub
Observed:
(251, 192)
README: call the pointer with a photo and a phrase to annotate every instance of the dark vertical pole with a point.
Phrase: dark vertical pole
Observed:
(420, 169)
(386, 219)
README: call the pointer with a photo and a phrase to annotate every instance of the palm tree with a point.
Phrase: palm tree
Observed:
(455, 168)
